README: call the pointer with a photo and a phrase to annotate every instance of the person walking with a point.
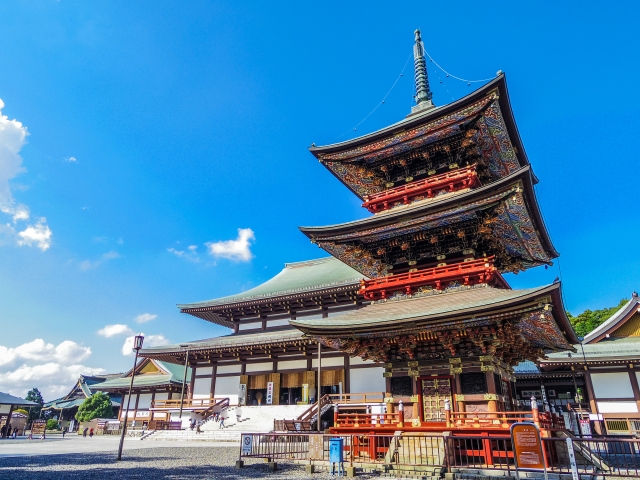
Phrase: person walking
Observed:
(84, 432)
(221, 422)
(64, 431)
(30, 436)
(198, 425)
(91, 433)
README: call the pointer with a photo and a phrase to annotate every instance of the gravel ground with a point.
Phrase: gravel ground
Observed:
(150, 464)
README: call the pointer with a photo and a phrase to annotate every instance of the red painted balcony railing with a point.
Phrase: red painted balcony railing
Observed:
(457, 179)
(467, 273)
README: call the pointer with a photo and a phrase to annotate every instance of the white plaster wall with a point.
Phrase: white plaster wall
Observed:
(227, 387)
(250, 326)
(5, 408)
(329, 362)
(202, 388)
(204, 370)
(291, 364)
(612, 385)
(364, 380)
(144, 402)
(237, 368)
(359, 361)
(617, 407)
(278, 323)
(162, 396)
(259, 367)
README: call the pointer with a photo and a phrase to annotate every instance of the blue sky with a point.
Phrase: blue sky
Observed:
(156, 126)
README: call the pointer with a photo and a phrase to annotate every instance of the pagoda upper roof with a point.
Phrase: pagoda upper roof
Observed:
(427, 127)
(295, 279)
(532, 243)
(438, 309)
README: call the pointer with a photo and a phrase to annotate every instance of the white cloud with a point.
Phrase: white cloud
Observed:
(38, 350)
(53, 369)
(145, 317)
(238, 249)
(90, 264)
(149, 341)
(71, 160)
(53, 379)
(13, 136)
(38, 234)
(116, 329)
(189, 254)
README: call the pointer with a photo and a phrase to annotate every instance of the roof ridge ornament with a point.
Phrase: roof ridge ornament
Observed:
(423, 95)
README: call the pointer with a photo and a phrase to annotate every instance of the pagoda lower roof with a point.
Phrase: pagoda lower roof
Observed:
(436, 310)
(296, 280)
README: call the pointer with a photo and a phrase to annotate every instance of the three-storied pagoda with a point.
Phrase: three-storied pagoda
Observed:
(452, 196)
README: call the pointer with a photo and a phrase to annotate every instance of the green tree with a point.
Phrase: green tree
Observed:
(97, 405)
(52, 424)
(21, 410)
(34, 395)
(589, 320)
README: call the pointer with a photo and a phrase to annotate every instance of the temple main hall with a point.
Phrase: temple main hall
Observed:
(411, 306)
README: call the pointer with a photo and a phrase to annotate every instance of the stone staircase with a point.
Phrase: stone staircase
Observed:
(252, 419)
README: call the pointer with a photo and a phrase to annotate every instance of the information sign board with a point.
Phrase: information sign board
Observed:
(247, 444)
(269, 393)
(316, 447)
(38, 426)
(527, 446)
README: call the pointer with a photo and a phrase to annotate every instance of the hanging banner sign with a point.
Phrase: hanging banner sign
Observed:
(305, 393)
(527, 446)
(242, 394)
(572, 459)
(247, 444)
(269, 393)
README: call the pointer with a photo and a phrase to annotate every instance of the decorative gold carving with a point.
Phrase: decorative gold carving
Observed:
(468, 251)
(431, 172)
(487, 368)
(412, 262)
(408, 179)
(490, 396)
(486, 358)
(388, 399)
(459, 397)
(455, 360)
(455, 371)
(413, 373)
(387, 374)
(441, 257)
(388, 366)
(416, 422)
(412, 364)
(415, 398)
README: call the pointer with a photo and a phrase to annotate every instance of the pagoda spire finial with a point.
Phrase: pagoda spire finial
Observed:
(423, 92)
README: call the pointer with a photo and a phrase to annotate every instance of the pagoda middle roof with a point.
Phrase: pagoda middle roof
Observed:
(521, 226)
(298, 277)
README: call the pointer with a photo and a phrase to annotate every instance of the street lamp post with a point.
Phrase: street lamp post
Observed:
(137, 345)
(184, 381)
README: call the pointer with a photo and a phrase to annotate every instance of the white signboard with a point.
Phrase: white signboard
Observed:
(242, 394)
(144, 414)
(247, 443)
(269, 393)
(572, 460)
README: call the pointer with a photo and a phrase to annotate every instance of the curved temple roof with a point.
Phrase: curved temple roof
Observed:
(295, 277)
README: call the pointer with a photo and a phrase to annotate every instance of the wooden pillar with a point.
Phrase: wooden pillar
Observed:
(460, 403)
(214, 372)
(492, 392)
(634, 385)
(275, 378)
(346, 388)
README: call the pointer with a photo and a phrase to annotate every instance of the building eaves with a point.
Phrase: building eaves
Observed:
(615, 321)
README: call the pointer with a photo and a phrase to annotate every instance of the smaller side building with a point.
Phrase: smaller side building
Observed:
(601, 378)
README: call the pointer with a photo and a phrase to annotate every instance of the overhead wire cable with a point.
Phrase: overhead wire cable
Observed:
(449, 74)
(381, 101)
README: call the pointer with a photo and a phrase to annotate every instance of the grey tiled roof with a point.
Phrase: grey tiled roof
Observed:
(233, 340)
(463, 300)
(297, 277)
(6, 399)
(620, 348)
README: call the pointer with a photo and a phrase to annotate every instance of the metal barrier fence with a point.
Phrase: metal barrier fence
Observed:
(437, 453)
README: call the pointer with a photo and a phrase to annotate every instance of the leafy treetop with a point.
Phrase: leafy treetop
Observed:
(589, 320)
(97, 405)
(34, 395)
